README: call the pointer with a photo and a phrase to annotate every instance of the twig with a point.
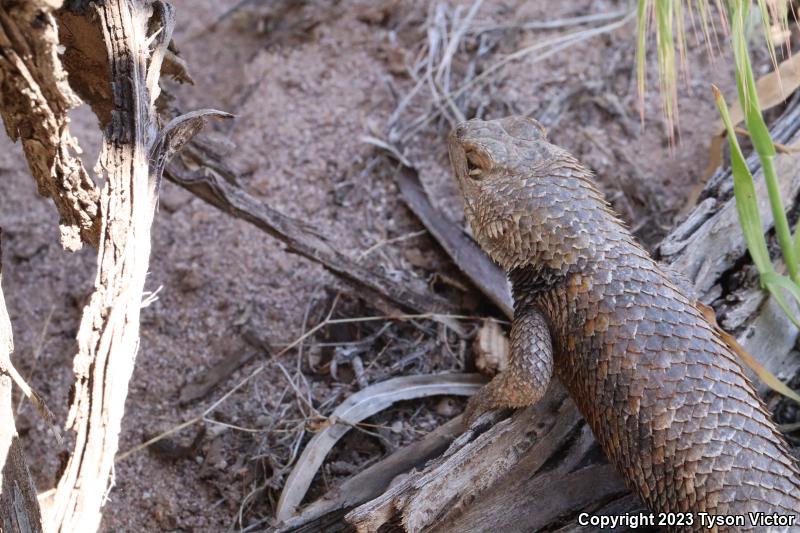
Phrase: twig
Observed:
(356, 408)
(298, 236)
(551, 24)
(39, 346)
(555, 45)
(260, 368)
(463, 251)
(300, 397)
(782, 148)
(7, 367)
(384, 242)
(210, 409)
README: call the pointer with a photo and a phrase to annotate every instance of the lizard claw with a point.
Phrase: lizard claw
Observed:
(477, 406)
(503, 392)
(492, 396)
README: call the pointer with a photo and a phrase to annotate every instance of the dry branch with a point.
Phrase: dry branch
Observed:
(466, 474)
(34, 100)
(212, 377)
(19, 508)
(216, 184)
(133, 37)
(370, 483)
(357, 408)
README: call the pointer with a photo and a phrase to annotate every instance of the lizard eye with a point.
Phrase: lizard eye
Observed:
(475, 164)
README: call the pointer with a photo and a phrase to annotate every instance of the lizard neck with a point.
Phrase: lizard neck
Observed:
(550, 215)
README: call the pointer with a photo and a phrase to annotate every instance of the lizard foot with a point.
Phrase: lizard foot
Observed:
(503, 392)
(529, 371)
(482, 402)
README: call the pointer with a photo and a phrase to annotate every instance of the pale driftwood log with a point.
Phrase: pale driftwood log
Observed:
(19, 508)
(540, 468)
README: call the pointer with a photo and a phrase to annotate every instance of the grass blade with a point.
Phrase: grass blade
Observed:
(641, 52)
(759, 134)
(767, 377)
(745, 192)
(665, 41)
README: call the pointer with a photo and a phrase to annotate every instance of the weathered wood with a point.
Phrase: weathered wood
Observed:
(111, 319)
(216, 184)
(506, 454)
(34, 100)
(19, 508)
(355, 409)
(375, 479)
(493, 488)
(133, 35)
(466, 254)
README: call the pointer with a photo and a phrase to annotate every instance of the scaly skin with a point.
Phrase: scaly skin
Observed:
(665, 397)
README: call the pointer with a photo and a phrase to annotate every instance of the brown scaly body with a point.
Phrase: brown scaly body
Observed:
(666, 398)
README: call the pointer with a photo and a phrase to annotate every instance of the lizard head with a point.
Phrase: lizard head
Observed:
(527, 200)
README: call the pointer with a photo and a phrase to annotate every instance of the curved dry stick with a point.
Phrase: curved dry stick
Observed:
(356, 408)
(464, 252)
(213, 184)
(372, 481)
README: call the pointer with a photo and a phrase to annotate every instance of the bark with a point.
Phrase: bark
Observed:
(122, 88)
(540, 468)
(216, 184)
(34, 100)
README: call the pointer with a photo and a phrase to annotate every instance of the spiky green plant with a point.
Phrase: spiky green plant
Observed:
(666, 17)
(735, 17)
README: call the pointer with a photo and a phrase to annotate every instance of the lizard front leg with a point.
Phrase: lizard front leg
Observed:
(529, 370)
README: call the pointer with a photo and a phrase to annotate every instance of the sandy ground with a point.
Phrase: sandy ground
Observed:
(306, 84)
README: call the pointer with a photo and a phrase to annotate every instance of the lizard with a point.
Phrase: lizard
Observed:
(665, 397)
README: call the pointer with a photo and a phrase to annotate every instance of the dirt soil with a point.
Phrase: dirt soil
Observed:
(307, 81)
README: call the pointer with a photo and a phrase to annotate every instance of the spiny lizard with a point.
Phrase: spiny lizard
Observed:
(664, 395)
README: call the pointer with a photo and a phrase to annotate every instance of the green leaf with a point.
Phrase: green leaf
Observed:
(745, 192)
(759, 132)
